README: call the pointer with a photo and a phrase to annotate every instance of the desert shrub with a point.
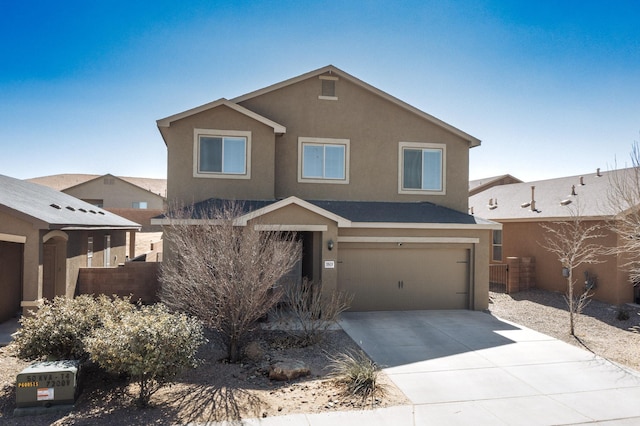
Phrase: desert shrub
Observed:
(622, 315)
(150, 345)
(312, 311)
(56, 330)
(358, 373)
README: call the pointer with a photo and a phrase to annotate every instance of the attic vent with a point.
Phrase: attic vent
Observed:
(92, 211)
(102, 213)
(598, 174)
(328, 90)
(71, 208)
(82, 210)
(109, 181)
(55, 206)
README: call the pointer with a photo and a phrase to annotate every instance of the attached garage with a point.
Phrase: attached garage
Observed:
(405, 276)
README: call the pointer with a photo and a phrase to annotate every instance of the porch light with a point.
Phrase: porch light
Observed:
(330, 245)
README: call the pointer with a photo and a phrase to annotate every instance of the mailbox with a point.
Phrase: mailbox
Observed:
(44, 384)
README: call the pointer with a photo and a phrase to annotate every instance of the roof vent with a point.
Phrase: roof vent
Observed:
(582, 180)
(55, 206)
(565, 202)
(573, 190)
(525, 205)
(71, 208)
(92, 211)
(471, 210)
(82, 210)
(102, 213)
(598, 174)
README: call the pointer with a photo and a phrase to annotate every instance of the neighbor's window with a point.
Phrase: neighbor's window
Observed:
(139, 205)
(220, 153)
(496, 253)
(422, 168)
(323, 160)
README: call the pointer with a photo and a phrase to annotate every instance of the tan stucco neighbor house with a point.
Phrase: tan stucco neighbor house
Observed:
(46, 236)
(521, 208)
(376, 189)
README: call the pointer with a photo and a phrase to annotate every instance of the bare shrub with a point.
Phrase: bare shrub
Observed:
(223, 273)
(312, 311)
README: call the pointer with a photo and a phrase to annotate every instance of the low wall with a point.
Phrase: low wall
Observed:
(139, 279)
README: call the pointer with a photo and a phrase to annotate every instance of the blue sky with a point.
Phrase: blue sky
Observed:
(552, 88)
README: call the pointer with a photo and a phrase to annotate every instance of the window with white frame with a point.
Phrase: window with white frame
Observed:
(222, 154)
(496, 245)
(323, 160)
(422, 168)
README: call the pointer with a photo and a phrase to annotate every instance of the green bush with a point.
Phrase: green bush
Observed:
(150, 345)
(58, 328)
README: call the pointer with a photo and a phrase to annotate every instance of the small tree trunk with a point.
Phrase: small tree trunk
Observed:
(234, 355)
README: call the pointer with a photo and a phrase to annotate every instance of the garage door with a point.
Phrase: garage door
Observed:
(404, 278)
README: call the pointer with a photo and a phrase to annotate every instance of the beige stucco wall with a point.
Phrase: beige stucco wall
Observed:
(72, 254)
(526, 239)
(117, 194)
(184, 188)
(374, 127)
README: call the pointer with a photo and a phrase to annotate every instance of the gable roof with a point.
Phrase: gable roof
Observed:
(62, 182)
(553, 198)
(480, 185)
(349, 213)
(165, 122)
(277, 128)
(50, 209)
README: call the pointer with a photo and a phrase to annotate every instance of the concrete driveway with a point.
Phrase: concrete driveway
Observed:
(465, 367)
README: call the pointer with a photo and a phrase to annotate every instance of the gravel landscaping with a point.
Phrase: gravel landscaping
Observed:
(600, 328)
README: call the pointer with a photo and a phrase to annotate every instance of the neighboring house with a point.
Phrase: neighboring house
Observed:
(137, 199)
(522, 207)
(45, 237)
(376, 189)
(479, 185)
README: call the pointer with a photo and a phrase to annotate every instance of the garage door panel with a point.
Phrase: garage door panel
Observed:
(405, 278)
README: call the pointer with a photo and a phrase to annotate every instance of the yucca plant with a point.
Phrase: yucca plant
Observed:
(358, 373)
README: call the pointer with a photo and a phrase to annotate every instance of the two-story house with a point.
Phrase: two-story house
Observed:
(376, 189)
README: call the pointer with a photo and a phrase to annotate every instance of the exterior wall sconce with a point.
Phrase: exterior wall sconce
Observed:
(330, 245)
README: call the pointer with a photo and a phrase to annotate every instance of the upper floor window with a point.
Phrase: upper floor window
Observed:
(422, 168)
(222, 154)
(139, 205)
(323, 160)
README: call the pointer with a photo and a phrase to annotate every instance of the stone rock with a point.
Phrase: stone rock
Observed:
(288, 370)
(253, 351)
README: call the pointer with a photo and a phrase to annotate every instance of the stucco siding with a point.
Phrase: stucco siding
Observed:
(374, 126)
(183, 187)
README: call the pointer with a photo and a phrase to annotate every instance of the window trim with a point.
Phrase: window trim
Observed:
(443, 169)
(494, 245)
(197, 133)
(328, 98)
(323, 141)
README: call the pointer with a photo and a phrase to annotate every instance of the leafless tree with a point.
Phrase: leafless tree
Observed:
(624, 199)
(572, 242)
(312, 310)
(224, 274)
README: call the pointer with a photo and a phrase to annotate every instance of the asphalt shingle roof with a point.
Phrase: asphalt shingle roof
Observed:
(56, 210)
(362, 211)
(591, 200)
